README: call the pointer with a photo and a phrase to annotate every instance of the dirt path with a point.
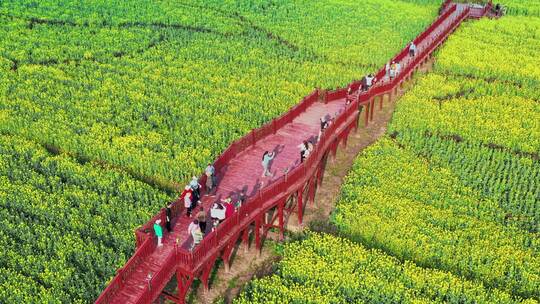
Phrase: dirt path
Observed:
(247, 264)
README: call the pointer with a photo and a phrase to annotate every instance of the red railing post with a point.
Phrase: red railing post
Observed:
(300, 205)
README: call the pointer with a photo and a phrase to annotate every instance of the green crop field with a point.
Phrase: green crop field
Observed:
(452, 190)
(326, 269)
(133, 85)
(106, 106)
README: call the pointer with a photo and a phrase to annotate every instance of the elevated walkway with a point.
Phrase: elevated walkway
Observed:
(269, 200)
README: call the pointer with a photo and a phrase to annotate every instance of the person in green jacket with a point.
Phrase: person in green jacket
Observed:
(159, 232)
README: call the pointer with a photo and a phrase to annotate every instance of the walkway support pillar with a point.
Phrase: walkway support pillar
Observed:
(371, 108)
(367, 114)
(258, 224)
(300, 205)
(245, 239)
(312, 185)
(207, 269)
(320, 171)
(184, 283)
(281, 206)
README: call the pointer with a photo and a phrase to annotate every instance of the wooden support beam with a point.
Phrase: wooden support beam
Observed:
(322, 166)
(312, 185)
(258, 224)
(381, 102)
(227, 251)
(184, 281)
(207, 270)
(366, 108)
(281, 206)
(300, 208)
(356, 122)
(371, 108)
(170, 297)
(245, 238)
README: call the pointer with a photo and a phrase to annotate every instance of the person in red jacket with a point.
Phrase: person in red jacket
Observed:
(186, 199)
(229, 207)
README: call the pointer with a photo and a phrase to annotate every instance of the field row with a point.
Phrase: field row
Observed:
(154, 86)
(326, 269)
(66, 226)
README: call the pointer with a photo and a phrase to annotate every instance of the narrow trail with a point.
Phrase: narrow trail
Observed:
(248, 264)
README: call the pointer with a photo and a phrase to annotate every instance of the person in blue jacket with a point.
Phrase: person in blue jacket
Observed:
(267, 157)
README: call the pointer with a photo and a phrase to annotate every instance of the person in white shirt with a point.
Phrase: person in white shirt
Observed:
(304, 151)
(217, 214)
(210, 178)
(369, 80)
(412, 49)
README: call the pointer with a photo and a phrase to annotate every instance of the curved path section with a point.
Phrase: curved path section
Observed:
(270, 200)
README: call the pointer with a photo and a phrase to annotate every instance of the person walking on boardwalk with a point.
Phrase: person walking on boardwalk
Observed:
(324, 123)
(194, 224)
(393, 68)
(188, 203)
(387, 69)
(168, 217)
(310, 146)
(201, 217)
(364, 83)
(369, 81)
(210, 172)
(196, 187)
(267, 157)
(412, 49)
(159, 232)
(304, 151)
(398, 68)
(196, 234)
(229, 207)
(187, 198)
(217, 214)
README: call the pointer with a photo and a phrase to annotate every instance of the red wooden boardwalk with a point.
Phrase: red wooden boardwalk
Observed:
(145, 275)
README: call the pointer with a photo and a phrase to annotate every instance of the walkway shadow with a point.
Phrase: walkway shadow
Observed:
(256, 187)
(313, 139)
(277, 150)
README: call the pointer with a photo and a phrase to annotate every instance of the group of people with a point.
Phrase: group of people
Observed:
(219, 212)
(190, 196)
(192, 192)
(224, 209)
(393, 69)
